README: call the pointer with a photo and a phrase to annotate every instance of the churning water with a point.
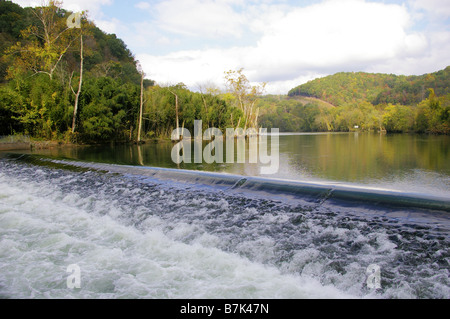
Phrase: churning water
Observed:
(134, 236)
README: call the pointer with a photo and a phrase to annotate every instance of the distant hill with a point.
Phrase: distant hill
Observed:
(348, 88)
(363, 102)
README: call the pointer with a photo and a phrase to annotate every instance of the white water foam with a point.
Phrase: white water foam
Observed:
(134, 238)
(44, 230)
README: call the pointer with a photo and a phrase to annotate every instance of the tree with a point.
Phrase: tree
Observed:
(246, 96)
(433, 114)
(141, 107)
(10, 103)
(80, 83)
(433, 101)
(46, 43)
(176, 109)
(398, 118)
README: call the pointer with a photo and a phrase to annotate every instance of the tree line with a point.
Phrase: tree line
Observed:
(292, 114)
(80, 84)
(63, 83)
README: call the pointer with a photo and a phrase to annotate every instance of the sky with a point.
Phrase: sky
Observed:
(282, 42)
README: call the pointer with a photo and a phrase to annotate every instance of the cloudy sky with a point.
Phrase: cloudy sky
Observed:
(282, 42)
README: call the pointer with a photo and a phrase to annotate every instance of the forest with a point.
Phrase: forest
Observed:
(82, 85)
(383, 102)
(46, 68)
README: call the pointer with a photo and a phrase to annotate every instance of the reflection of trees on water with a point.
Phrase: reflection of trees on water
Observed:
(362, 156)
(342, 157)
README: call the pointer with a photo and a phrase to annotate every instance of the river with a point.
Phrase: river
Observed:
(133, 234)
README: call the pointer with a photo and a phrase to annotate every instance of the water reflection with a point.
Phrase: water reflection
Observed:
(407, 162)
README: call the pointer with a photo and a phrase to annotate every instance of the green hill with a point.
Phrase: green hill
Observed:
(106, 55)
(346, 88)
(362, 101)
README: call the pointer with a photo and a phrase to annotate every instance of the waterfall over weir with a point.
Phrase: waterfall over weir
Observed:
(309, 193)
(141, 232)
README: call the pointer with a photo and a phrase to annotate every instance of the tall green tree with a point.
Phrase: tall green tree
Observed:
(45, 42)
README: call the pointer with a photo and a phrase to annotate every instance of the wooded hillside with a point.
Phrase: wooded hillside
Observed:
(83, 85)
(344, 88)
(366, 101)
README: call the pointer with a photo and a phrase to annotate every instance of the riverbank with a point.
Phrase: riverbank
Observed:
(22, 144)
(14, 143)
(43, 145)
(15, 146)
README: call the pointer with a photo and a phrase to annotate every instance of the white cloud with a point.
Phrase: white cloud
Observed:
(433, 59)
(437, 8)
(335, 33)
(146, 36)
(350, 35)
(110, 26)
(191, 67)
(205, 18)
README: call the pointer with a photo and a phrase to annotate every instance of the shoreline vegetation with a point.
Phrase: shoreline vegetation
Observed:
(81, 86)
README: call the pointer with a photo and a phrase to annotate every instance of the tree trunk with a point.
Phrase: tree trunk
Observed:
(176, 106)
(77, 95)
(255, 124)
(176, 111)
(206, 109)
(141, 108)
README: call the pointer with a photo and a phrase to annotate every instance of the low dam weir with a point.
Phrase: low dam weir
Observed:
(313, 193)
